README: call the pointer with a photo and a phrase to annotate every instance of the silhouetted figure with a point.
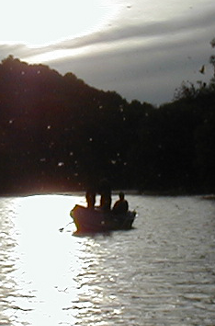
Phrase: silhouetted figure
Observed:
(91, 198)
(105, 192)
(121, 205)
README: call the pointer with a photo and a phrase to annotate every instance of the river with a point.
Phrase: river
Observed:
(162, 272)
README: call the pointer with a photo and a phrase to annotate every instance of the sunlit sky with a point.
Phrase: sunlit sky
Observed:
(142, 49)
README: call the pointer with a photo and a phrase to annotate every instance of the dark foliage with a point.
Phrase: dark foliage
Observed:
(59, 134)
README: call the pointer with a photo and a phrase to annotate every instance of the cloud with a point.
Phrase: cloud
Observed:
(148, 61)
(146, 73)
(125, 37)
(144, 30)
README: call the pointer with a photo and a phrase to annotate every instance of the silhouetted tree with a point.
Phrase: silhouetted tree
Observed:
(58, 133)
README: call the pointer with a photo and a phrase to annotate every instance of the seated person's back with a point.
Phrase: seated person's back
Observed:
(121, 205)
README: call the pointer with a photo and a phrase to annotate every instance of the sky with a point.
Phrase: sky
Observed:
(141, 49)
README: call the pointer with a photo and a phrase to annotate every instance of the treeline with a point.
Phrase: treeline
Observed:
(59, 134)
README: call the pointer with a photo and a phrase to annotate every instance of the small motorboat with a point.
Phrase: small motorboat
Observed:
(97, 220)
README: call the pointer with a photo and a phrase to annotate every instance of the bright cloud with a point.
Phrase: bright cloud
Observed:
(37, 23)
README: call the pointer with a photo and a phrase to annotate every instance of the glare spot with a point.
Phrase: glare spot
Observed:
(43, 159)
(60, 164)
(48, 127)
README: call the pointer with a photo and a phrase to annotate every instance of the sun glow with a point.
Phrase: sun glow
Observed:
(39, 23)
(54, 55)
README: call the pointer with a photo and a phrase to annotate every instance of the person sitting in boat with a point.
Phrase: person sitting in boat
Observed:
(121, 205)
(105, 192)
(105, 202)
(91, 198)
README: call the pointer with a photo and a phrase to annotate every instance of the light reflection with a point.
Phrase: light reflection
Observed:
(53, 275)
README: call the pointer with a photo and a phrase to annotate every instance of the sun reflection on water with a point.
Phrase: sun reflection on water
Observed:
(54, 279)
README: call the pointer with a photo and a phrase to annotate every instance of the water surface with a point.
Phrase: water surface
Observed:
(162, 272)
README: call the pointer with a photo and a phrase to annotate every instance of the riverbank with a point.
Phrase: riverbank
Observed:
(153, 193)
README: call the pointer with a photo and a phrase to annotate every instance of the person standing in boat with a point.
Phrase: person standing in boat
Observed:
(105, 192)
(121, 205)
(91, 198)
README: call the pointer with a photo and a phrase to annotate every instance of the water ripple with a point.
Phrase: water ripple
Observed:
(159, 273)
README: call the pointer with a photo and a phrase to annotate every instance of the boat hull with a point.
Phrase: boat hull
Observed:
(95, 220)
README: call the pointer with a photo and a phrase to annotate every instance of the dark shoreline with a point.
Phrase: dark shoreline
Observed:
(207, 196)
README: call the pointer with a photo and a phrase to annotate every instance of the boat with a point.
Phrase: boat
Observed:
(88, 220)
